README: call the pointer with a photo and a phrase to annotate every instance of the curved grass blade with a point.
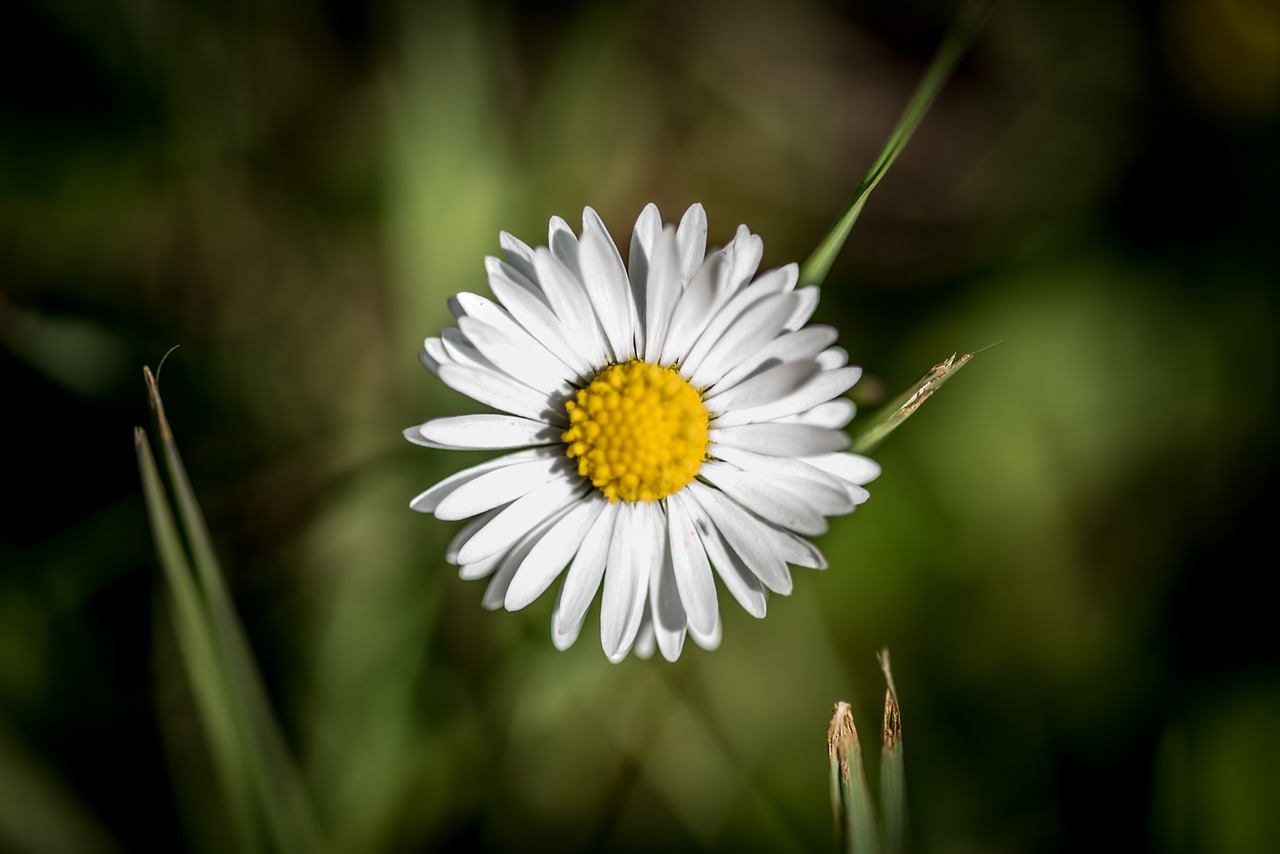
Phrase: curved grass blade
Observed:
(196, 649)
(850, 795)
(839, 770)
(961, 36)
(272, 773)
(890, 418)
(893, 779)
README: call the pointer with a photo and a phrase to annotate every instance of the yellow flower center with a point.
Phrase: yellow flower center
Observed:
(638, 431)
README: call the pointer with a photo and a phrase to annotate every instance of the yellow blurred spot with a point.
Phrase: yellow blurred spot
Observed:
(1228, 53)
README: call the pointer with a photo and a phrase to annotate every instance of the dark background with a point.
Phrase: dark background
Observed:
(1063, 553)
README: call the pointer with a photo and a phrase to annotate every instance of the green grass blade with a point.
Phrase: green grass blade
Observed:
(193, 525)
(962, 34)
(838, 762)
(856, 812)
(890, 418)
(284, 800)
(893, 779)
(196, 650)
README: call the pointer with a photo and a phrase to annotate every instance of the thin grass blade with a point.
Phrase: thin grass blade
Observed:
(839, 767)
(893, 779)
(856, 810)
(961, 36)
(196, 649)
(890, 418)
(283, 797)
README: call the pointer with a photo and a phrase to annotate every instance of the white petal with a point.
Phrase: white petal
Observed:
(434, 348)
(799, 346)
(508, 345)
(520, 357)
(498, 487)
(832, 358)
(835, 414)
(746, 536)
(795, 549)
(464, 534)
(496, 593)
(515, 278)
(804, 309)
(498, 583)
(553, 551)
(829, 499)
(740, 581)
(756, 326)
(501, 392)
(607, 285)
(632, 559)
(583, 578)
(789, 273)
(691, 242)
(529, 308)
(828, 493)
(662, 292)
(480, 569)
(458, 349)
(709, 641)
(644, 241)
(691, 567)
(818, 389)
(850, 467)
(746, 250)
(764, 498)
(564, 245)
(666, 610)
(765, 387)
(412, 434)
(563, 640)
(773, 282)
(781, 440)
(519, 517)
(692, 311)
(572, 306)
(645, 641)
(833, 500)
(484, 431)
(429, 499)
(787, 545)
(518, 253)
(645, 234)
(430, 355)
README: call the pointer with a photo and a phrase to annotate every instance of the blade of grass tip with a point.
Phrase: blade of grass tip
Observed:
(849, 784)
(893, 779)
(195, 649)
(284, 799)
(962, 34)
(890, 418)
(838, 762)
(197, 532)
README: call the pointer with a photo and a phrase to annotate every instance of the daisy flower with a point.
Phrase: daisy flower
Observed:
(670, 421)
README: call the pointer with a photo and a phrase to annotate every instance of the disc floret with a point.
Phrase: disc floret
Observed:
(638, 431)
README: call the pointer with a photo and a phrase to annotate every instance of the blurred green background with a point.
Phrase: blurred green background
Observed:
(1065, 552)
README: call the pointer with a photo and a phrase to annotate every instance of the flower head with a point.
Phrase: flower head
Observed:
(675, 420)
